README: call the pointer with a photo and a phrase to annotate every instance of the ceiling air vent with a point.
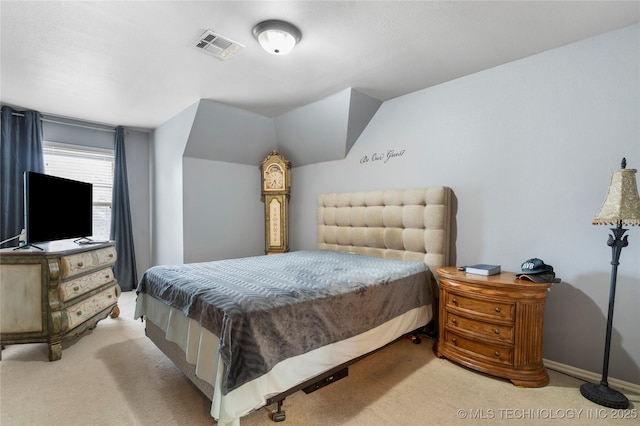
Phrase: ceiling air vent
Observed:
(217, 45)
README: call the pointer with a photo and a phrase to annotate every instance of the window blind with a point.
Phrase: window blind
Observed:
(85, 164)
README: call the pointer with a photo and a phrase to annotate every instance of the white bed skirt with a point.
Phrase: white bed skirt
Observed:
(201, 350)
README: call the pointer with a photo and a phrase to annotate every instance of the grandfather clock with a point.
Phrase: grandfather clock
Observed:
(276, 188)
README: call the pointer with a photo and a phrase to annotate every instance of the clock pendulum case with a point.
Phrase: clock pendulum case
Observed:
(276, 189)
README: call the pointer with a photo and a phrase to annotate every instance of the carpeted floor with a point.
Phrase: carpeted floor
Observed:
(115, 376)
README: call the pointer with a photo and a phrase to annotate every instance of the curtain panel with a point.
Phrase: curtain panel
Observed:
(20, 151)
(121, 228)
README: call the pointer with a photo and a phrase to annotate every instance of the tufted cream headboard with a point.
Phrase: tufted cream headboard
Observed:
(404, 224)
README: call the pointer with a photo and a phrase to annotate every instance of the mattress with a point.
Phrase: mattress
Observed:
(257, 326)
(265, 309)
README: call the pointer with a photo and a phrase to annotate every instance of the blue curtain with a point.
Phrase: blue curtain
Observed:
(121, 229)
(21, 151)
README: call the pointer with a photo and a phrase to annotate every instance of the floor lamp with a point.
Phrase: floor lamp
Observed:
(621, 207)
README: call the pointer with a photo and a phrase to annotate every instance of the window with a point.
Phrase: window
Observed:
(86, 164)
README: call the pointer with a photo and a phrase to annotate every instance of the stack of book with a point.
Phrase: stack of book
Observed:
(482, 269)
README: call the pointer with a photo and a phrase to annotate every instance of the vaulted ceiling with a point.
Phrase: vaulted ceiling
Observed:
(134, 63)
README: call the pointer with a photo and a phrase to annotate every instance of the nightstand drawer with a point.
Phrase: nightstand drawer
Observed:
(82, 311)
(84, 284)
(496, 332)
(502, 310)
(83, 262)
(491, 353)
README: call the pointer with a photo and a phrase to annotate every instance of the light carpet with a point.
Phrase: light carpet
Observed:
(114, 375)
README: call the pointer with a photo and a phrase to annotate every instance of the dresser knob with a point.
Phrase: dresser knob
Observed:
(496, 331)
(110, 254)
(79, 313)
(454, 321)
(76, 288)
(496, 353)
(498, 309)
(454, 340)
(80, 264)
(454, 301)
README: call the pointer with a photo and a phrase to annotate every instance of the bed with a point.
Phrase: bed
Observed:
(248, 332)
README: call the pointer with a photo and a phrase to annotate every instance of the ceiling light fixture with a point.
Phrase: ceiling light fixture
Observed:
(277, 37)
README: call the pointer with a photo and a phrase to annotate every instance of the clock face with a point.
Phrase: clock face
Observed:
(273, 177)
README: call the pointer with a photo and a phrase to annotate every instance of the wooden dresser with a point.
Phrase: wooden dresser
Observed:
(55, 293)
(493, 324)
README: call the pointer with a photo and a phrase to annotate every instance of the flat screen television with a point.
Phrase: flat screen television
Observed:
(56, 208)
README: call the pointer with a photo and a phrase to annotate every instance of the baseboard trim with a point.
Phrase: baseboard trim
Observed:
(590, 376)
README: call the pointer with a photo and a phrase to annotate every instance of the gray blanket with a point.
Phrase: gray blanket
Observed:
(266, 309)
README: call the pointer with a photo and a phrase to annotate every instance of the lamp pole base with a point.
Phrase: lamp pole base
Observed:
(604, 395)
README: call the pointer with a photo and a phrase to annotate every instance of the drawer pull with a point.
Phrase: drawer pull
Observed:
(454, 340)
(454, 301)
(79, 313)
(498, 309)
(454, 321)
(80, 264)
(76, 288)
(496, 353)
(110, 254)
(107, 276)
(110, 296)
(496, 331)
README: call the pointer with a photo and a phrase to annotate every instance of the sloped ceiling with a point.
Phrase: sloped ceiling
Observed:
(227, 134)
(321, 131)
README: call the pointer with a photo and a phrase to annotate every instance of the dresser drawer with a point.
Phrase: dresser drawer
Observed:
(502, 310)
(83, 262)
(491, 353)
(21, 298)
(82, 311)
(496, 332)
(84, 284)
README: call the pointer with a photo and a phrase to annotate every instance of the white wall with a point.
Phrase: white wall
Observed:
(528, 148)
(168, 144)
(223, 214)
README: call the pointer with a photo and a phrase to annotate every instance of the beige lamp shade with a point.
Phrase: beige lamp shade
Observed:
(622, 205)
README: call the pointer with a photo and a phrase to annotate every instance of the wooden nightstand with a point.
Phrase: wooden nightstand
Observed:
(493, 324)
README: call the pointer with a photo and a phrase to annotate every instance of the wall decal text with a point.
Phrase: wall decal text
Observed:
(384, 157)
